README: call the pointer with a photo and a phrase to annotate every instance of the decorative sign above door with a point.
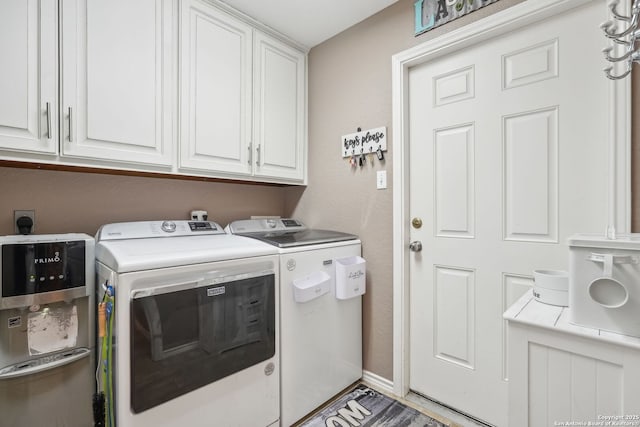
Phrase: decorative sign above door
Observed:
(433, 13)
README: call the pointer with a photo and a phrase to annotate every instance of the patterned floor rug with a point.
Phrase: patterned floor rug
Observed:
(365, 407)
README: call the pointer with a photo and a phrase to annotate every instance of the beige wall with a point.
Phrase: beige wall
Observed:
(81, 202)
(350, 87)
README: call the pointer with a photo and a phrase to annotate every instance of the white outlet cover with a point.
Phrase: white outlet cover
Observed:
(381, 180)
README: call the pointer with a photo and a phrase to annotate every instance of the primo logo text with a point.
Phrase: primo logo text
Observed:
(49, 260)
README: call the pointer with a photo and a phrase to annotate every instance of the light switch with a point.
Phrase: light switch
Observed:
(381, 180)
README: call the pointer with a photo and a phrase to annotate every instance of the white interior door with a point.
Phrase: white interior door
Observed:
(508, 157)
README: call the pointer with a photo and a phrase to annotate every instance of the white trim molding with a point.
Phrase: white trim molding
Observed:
(378, 382)
(221, 4)
(490, 27)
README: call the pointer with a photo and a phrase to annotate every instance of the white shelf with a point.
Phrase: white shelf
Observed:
(528, 311)
(560, 372)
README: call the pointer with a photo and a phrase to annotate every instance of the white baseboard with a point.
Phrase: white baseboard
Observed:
(377, 381)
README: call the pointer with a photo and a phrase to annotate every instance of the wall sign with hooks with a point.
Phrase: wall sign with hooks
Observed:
(358, 145)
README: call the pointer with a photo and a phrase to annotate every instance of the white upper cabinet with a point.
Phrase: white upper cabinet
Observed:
(28, 76)
(187, 87)
(242, 99)
(117, 81)
(279, 109)
(215, 91)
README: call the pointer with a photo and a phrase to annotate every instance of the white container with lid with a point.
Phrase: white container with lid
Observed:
(604, 282)
(551, 287)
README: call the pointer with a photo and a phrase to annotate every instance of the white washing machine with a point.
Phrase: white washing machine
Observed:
(196, 325)
(320, 335)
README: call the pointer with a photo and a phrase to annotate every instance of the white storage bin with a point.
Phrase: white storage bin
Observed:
(350, 277)
(311, 287)
(604, 283)
(551, 287)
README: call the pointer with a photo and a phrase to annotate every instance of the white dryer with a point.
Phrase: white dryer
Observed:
(196, 324)
(320, 335)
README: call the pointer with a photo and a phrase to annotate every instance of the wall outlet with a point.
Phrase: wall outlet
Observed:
(381, 180)
(19, 213)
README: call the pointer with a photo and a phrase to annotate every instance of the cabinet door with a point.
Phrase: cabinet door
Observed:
(28, 75)
(215, 91)
(117, 89)
(279, 109)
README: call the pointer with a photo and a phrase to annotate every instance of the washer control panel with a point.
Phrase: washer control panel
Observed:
(266, 225)
(150, 229)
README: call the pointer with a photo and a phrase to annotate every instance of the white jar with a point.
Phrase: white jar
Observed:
(551, 287)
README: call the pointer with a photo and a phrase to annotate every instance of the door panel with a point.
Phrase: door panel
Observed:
(453, 287)
(531, 176)
(116, 81)
(29, 76)
(215, 90)
(513, 287)
(279, 109)
(507, 141)
(454, 181)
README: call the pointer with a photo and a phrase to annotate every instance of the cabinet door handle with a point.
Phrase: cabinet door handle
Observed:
(258, 155)
(48, 120)
(250, 154)
(70, 124)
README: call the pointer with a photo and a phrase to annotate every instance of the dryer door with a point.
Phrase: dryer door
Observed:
(187, 335)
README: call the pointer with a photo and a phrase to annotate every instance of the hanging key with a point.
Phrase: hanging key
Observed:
(380, 154)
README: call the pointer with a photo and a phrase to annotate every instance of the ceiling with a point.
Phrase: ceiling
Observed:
(309, 22)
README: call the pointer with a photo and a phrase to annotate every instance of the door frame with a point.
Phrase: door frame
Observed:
(498, 24)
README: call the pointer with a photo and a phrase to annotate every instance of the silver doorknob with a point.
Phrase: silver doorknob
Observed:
(415, 246)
